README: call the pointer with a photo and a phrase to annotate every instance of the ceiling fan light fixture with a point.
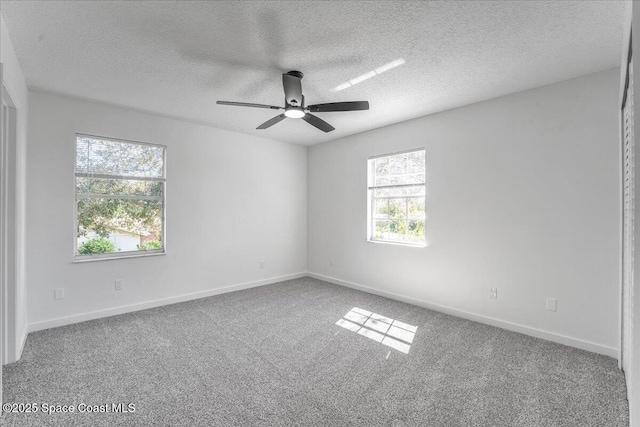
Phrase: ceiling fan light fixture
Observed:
(294, 113)
(294, 107)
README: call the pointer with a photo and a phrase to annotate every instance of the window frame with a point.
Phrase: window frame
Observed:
(126, 254)
(371, 199)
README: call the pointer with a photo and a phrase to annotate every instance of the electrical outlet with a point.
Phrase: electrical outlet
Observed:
(493, 293)
(552, 304)
(58, 293)
(331, 262)
(119, 283)
(262, 265)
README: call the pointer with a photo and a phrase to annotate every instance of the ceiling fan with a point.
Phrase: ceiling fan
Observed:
(294, 105)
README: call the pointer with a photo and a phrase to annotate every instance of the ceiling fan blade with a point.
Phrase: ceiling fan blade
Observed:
(246, 104)
(271, 122)
(318, 122)
(339, 106)
(292, 88)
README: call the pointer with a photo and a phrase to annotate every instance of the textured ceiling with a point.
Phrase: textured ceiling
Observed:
(178, 58)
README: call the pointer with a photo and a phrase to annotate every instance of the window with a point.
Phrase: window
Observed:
(120, 188)
(397, 198)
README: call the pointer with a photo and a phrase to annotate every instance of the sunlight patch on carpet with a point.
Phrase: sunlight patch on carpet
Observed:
(385, 330)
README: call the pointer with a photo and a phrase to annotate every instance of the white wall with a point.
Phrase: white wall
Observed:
(522, 195)
(14, 82)
(232, 201)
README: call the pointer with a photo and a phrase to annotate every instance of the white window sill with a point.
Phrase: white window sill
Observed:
(122, 255)
(411, 245)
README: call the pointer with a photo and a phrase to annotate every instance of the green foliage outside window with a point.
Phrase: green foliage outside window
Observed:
(98, 245)
(150, 246)
(103, 215)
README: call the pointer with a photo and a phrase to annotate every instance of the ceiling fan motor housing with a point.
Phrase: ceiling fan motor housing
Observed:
(293, 89)
(297, 74)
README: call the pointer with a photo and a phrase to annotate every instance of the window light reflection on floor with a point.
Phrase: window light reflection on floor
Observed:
(390, 332)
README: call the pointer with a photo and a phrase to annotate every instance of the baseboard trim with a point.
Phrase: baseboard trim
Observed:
(23, 341)
(516, 327)
(83, 317)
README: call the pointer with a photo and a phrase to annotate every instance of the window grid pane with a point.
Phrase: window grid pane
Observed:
(120, 189)
(118, 158)
(123, 187)
(397, 194)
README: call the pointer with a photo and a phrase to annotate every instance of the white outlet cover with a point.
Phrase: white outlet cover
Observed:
(493, 293)
(119, 284)
(58, 293)
(552, 304)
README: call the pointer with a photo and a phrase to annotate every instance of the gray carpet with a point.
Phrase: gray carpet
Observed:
(274, 355)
